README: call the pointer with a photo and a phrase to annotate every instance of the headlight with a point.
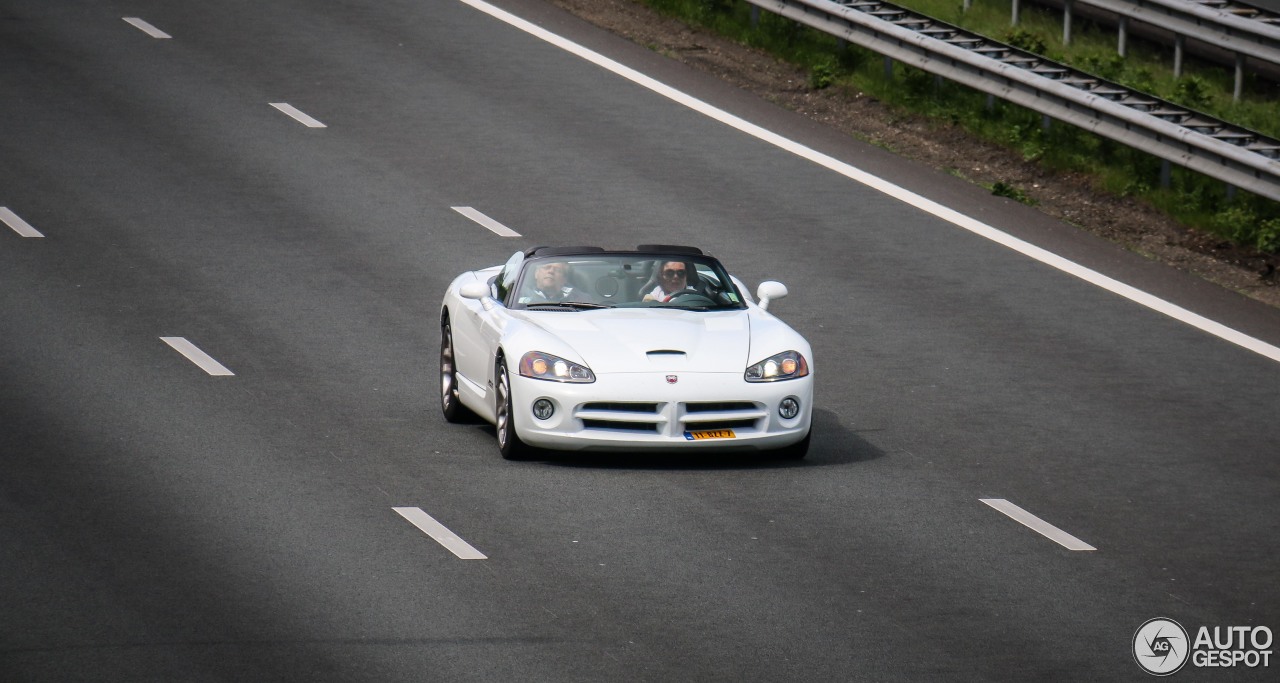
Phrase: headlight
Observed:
(540, 365)
(785, 365)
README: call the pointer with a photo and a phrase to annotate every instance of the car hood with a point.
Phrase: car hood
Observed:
(620, 340)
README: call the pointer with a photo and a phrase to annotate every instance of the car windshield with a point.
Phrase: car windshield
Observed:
(629, 280)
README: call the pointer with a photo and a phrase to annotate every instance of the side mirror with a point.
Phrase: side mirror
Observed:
(474, 290)
(480, 291)
(768, 291)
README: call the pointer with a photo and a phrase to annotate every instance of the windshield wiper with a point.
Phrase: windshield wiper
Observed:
(575, 305)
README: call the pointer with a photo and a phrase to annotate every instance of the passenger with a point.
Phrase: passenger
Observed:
(673, 279)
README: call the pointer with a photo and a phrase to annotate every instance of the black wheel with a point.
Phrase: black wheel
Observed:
(509, 442)
(452, 408)
(797, 450)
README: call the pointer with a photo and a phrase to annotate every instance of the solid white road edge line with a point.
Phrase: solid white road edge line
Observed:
(195, 355)
(19, 226)
(487, 222)
(443, 536)
(147, 28)
(900, 193)
(1038, 525)
(297, 115)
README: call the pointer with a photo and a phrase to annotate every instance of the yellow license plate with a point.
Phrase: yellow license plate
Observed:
(709, 434)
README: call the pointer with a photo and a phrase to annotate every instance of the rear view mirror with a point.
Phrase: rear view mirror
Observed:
(768, 291)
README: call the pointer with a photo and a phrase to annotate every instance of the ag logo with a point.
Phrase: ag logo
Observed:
(1161, 646)
(672, 379)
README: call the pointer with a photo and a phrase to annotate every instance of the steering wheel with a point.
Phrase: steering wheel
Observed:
(690, 299)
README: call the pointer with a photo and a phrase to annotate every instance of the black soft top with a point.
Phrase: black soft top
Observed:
(642, 249)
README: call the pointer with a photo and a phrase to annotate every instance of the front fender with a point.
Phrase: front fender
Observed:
(522, 336)
(769, 335)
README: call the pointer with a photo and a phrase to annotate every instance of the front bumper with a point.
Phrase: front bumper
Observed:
(644, 410)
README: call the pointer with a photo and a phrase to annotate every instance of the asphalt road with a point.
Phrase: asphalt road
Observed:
(158, 522)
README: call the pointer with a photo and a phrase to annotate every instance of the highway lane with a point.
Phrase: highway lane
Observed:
(162, 523)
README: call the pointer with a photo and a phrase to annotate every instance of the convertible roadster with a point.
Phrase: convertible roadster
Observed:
(581, 348)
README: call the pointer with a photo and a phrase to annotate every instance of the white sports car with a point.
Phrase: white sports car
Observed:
(579, 348)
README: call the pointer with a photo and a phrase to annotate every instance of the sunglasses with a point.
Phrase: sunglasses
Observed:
(673, 273)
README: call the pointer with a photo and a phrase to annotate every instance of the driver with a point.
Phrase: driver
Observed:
(673, 279)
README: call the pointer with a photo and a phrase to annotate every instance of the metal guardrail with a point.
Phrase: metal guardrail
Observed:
(1235, 155)
(1243, 30)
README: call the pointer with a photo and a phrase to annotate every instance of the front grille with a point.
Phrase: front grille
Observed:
(707, 415)
(720, 424)
(647, 427)
(671, 419)
(618, 416)
(622, 407)
(719, 407)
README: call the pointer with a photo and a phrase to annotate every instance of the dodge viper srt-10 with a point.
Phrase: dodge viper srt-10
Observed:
(583, 348)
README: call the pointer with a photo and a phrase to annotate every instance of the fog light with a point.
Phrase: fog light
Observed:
(789, 408)
(542, 409)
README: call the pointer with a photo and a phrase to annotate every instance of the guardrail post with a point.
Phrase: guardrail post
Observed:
(888, 68)
(1017, 10)
(1235, 95)
(1166, 174)
(1066, 22)
(755, 16)
(967, 5)
(1179, 45)
(1124, 34)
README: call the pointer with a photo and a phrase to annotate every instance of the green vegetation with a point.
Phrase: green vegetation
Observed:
(1192, 199)
(1003, 189)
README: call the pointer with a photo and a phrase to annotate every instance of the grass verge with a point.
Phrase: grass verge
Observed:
(1190, 198)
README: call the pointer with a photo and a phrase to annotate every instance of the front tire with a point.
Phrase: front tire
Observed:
(450, 405)
(509, 443)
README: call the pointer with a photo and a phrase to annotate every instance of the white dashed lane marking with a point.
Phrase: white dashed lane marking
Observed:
(1038, 525)
(443, 536)
(195, 355)
(298, 115)
(19, 226)
(147, 28)
(494, 226)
